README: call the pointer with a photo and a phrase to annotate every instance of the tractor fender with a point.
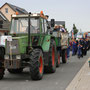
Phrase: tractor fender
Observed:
(46, 43)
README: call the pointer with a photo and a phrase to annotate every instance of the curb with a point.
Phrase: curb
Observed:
(82, 80)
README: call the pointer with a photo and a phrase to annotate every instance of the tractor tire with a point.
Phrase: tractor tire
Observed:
(64, 56)
(37, 64)
(51, 68)
(1, 63)
(58, 59)
(15, 71)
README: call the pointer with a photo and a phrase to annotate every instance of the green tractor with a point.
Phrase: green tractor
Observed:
(30, 44)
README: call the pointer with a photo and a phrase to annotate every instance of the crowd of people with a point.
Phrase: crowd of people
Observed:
(59, 28)
(79, 47)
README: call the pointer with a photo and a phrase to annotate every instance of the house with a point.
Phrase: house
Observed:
(6, 11)
(4, 24)
(9, 9)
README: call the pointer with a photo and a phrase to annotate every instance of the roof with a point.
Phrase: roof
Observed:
(2, 16)
(16, 8)
(60, 22)
(31, 15)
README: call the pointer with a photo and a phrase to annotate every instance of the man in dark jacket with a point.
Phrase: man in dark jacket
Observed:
(85, 47)
(82, 44)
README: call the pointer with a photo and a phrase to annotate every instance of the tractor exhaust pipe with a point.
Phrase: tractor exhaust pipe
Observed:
(29, 29)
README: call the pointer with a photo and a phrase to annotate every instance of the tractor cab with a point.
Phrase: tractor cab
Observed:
(33, 26)
(19, 24)
(37, 22)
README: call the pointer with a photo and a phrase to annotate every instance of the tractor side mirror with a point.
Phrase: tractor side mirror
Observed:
(52, 22)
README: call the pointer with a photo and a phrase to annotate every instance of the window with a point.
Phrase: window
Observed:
(20, 25)
(6, 10)
(1, 24)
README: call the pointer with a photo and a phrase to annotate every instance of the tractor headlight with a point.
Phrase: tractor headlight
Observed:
(6, 56)
(18, 56)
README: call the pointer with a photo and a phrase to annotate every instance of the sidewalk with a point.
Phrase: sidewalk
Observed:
(82, 79)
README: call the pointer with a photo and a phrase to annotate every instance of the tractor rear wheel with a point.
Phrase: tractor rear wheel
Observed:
(64, 56)
(51, 68)
(1, 63)
(58, 59)
(37, 64)
(15, 71)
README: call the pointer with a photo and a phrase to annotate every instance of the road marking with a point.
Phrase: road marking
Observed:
(82, 79)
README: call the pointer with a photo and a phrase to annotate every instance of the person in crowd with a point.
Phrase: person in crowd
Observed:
(73, 47)
(59, 28)
(82, 44)
(62, 28)
(56, 28)
(76, 46)
(88, 44)
(79, 52)
(85, 47)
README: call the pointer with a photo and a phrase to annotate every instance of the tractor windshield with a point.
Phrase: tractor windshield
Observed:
(20, 25)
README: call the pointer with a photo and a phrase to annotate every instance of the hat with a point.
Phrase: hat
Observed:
(61, 25)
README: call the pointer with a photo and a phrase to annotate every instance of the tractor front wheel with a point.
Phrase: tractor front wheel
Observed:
(37, 64)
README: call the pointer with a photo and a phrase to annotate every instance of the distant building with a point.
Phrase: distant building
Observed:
(6, 11)
(60, 23)
(9, 9)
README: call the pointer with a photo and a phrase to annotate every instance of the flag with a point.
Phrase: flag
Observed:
(72, 34)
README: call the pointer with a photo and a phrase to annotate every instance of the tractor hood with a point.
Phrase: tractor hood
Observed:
(16, 45)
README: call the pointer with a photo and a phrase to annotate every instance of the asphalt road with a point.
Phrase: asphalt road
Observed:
(57, 81)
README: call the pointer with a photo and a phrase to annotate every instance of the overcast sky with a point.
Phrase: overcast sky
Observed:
(71, 11)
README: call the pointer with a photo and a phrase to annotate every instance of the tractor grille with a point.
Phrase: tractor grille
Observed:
(12, 47)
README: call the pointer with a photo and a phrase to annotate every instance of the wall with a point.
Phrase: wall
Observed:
(10, 12)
